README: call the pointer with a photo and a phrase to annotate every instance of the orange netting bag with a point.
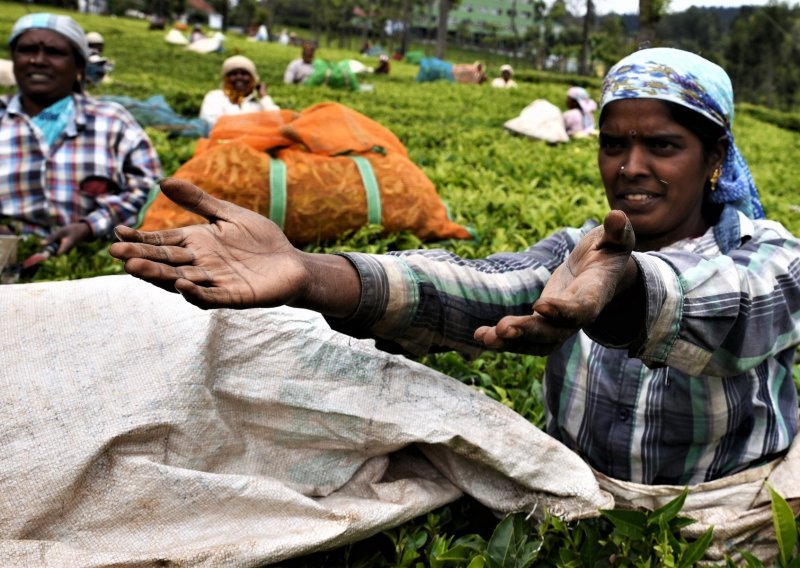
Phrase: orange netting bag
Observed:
(329, 170)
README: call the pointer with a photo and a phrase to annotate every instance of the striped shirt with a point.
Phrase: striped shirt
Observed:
(706, 390)
(40, 184)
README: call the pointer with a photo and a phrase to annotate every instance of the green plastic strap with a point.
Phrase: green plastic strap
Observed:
(277, 191)
(371, 188)
(151, 196)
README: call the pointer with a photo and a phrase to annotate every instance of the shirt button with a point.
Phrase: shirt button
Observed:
(624, 414)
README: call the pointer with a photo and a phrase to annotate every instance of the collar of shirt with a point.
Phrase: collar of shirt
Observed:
(75, 125)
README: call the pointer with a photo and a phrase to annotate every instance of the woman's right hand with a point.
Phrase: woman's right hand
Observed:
(598, 270)
(240, 259)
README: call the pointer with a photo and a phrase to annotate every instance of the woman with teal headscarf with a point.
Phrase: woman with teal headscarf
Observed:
(670, 328)
(71, 167)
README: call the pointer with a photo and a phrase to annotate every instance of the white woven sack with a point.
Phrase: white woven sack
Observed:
(541, 119)
(136, 429)
(7, 78)
(175, 37)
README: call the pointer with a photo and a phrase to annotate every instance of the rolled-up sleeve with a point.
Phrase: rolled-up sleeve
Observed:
(726, 314)
(433, 300)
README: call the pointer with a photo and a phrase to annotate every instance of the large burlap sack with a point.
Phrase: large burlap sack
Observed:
(175, 37)
(319, 189)
(7, 78)
(541, 119)
(137, 430)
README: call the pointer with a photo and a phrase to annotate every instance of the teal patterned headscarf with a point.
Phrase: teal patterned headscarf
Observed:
(696, 83)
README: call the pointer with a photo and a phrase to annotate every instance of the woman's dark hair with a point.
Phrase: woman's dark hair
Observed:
(708, 131)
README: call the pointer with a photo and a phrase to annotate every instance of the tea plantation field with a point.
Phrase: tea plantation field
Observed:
(510, 190)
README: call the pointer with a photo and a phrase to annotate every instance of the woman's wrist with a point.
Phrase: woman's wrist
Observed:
(621, 321)
(332, 287)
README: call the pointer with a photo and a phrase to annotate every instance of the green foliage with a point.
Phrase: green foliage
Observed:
(654, 538)
(786, 120)
(785, 530)
(787, 533)
(760, 42)
(87, 260)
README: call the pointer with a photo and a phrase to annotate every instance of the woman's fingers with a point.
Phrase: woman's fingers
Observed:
(164, 254)
(206, 297)
(534, 335)
(618, 231)
(160, 272)
(169, 237)
(194, 199)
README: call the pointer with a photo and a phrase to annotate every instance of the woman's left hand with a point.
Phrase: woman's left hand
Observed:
(574, 295)
(69, 236)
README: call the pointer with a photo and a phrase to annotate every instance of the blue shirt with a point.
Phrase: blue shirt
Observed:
(704, 391)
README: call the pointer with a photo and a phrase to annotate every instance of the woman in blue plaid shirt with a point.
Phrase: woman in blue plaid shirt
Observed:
(670, 329)
(71, 167)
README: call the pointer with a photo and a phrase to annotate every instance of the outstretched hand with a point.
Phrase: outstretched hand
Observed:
(576, 294)
(240, 259)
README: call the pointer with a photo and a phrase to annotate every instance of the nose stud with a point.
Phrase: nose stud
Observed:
(622, 170)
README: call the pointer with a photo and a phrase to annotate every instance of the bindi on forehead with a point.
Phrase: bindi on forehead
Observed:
(43, 37)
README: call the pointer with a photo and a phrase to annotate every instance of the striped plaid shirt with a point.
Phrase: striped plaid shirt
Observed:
(705, 391)
(40, 184)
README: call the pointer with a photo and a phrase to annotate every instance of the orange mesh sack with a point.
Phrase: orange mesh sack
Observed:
(260, 130)
(316, 196)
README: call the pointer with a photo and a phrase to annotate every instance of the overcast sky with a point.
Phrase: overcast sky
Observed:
(632, 6)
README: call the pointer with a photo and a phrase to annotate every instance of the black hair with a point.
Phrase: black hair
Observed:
(708, 131)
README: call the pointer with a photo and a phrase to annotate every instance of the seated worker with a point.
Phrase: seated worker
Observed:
(670, 329)
(300, 69)
(383, 65)
(283, 38)
(262, 34)
(197, 34)
(241, 92)
(504, 81)
(97, 67)
(71, 167)
(579, 116)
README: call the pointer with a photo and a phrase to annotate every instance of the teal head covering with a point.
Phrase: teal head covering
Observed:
(63, 25)
(694, 82)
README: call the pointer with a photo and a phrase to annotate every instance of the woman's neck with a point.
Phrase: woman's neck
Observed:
(34, 105)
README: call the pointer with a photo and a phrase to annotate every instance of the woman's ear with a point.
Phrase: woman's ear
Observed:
(717, 157)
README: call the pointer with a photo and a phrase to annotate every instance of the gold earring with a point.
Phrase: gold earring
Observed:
(715, 178)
